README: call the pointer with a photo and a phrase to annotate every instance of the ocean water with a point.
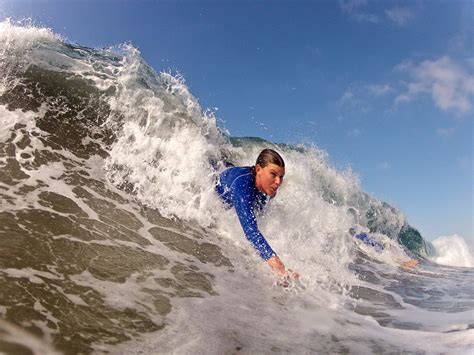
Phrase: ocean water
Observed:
(112, 239)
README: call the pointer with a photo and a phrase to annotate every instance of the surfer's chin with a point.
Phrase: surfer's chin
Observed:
(271, 192)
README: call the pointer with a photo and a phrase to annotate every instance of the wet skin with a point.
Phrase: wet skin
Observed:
(269, 178)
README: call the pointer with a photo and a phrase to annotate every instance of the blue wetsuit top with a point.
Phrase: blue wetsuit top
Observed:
(236, 187)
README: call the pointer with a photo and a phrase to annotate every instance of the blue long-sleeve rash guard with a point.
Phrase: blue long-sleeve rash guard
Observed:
(236, 186)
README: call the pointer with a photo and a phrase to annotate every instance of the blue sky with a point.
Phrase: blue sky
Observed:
(385, 87)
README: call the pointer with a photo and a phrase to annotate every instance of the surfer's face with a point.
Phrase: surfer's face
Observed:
(269, 178)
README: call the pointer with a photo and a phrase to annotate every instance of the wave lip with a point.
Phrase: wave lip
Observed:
(452, 250)
(21, 35)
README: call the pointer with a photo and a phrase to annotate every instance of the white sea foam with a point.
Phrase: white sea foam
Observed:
(165, 143)
(21, 35)
(16, 39)
(452, 250)
(13, 334)
(248, 315)
(8, 120)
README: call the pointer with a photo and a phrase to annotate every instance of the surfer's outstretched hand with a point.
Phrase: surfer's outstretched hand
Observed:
(279, 268)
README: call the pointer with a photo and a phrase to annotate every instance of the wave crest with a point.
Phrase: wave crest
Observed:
(452, 250)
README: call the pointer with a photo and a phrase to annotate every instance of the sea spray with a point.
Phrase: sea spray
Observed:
(452, 251)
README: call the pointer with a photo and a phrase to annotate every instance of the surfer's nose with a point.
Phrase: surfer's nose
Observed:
(278, 181)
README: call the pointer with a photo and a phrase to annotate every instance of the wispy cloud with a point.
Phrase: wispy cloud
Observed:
(361, 96)
(353, 100)
(361, 11)
(356, 10)
(379, 89)
(400, 15)
(450, 86)
(347, 98)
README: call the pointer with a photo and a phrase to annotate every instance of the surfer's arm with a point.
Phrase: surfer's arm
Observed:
(248, 221)
(243, 203)
(244, 209)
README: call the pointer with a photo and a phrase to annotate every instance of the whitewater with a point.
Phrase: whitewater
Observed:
(113, 240)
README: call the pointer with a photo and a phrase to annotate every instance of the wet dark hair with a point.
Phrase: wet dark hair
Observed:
(269, 156)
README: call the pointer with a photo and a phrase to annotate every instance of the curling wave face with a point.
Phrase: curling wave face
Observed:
(110, 226)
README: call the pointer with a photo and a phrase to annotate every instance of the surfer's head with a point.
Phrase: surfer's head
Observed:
(269, 156)
(269, 171)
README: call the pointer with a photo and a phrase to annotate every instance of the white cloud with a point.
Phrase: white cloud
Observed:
(405, 65)
(450, 86)
(399, 15)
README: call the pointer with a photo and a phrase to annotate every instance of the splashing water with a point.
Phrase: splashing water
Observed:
(452, 251)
